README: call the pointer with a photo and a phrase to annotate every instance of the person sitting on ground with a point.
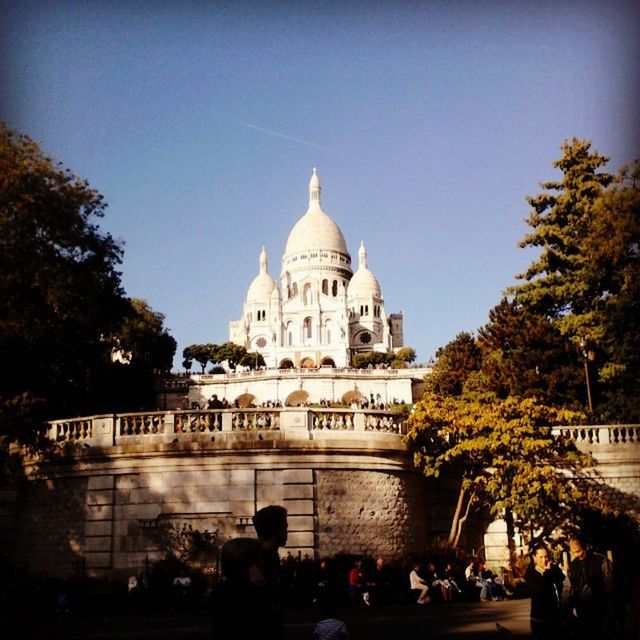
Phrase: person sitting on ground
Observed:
(330, 627)
(418, 585)
(449, 576)
(358, 583)
(491, 588)
(380, 584)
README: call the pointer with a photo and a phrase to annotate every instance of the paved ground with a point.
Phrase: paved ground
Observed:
(476, 621)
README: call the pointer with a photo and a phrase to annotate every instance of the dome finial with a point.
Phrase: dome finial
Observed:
(362, 255)
(314, 188)
(263, 261)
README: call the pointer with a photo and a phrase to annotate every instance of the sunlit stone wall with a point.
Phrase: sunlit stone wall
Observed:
(372, 513)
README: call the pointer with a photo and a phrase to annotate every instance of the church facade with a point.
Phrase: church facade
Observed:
(321, 313)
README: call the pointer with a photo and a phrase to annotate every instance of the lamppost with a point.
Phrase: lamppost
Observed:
(586, 356)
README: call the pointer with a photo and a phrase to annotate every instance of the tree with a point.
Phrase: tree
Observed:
(201, 353)
(559, 282)
(505, 455)
(405, 354)
(371, 358)
(60, 291)
(523, 354)
(232, 353)
(612, 248)
(228, 352)
(587, 278)
(144, 335)
(456, 361)
(142, 352)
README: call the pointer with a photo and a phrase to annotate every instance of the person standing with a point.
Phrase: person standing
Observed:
(240, 604)
(591, 580)
(544, 582)
(272, 527)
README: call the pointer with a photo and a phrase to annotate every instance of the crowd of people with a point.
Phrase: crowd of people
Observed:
(581, 601)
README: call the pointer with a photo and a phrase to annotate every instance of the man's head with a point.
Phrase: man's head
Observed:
(541, 559)
(271, 526)
(577, 547)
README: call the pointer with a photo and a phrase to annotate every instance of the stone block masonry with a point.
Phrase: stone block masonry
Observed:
(100, 508)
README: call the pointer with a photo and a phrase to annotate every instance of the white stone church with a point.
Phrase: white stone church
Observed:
(322, 313)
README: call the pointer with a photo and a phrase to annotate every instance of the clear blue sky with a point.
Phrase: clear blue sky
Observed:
(429, 123)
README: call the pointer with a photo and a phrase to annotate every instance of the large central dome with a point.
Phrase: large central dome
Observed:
(315, 230)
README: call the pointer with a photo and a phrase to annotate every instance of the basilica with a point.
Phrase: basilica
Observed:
(321, 313)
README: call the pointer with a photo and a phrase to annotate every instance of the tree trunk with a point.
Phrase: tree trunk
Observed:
(462, 520)
(455, 526)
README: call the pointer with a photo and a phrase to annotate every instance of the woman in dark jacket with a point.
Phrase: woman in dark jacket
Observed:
(545, 582)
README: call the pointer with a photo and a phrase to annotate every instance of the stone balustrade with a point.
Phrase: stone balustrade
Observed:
(117, 429)
(594, 435)
(172, 426)
(409, 372)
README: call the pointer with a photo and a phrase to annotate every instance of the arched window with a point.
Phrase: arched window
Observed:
(334, 288)
(308, 331)
(294, 289)
(289, 333)
(307, 295)
(325, 287)
(327, 331)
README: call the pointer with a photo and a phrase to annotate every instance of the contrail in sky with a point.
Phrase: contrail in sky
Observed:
(282, 135)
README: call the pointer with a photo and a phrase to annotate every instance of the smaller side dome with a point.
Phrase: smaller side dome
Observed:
(363, 283)
(262, 287)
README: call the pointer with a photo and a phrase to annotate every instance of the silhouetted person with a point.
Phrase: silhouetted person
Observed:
(240, 604)
(272, 528)
(544, 582)
(591, 588)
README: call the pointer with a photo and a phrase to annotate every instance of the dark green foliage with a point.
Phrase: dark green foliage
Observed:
(587, 278)
(60, 291)
(373, 358)
(228, 352)
(523, 354)
(456, 361)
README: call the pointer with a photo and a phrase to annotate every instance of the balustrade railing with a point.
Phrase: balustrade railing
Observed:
(592, 435)
(197, 422)
(332, 420)
(140, 424)
(78, 429)
(161, 426)
(108, 430)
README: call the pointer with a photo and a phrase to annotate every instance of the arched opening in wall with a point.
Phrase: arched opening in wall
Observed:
(334, 288)
(307, 363)
(328, 325)
(245, 400)
(285, 364)
(297, 398)
(352, 396)
(289, 333)
(307, 295)
(328, 362)
(307, 328)
(325, 287)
